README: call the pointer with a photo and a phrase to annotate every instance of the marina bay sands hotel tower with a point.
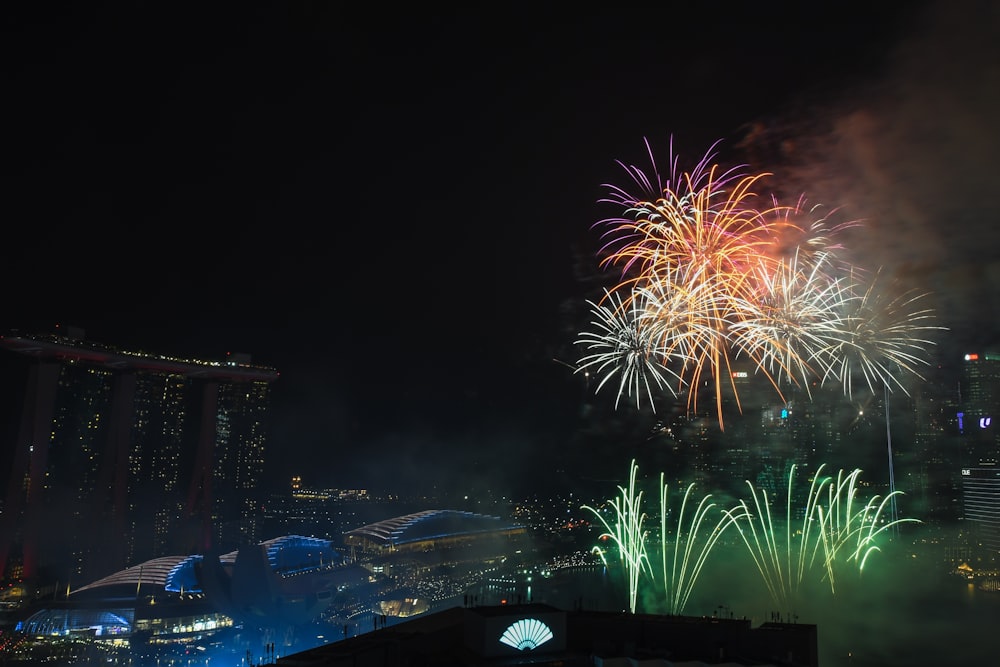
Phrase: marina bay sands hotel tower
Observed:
(123, 456)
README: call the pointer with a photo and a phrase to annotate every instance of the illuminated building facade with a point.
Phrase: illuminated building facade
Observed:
(928, 474)
(981, 499)
(124, 456)
(978, 403)
(164, 610)
(980, 475)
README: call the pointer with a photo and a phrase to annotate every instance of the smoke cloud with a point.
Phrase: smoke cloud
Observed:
(911, 152)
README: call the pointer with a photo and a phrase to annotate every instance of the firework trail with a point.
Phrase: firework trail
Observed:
(683, 562)
(685, 565)
(834, 528)
(882, 334)
(627, 533)
(842, 529)
(705, 277)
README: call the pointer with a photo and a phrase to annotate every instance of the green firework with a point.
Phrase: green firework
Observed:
(690, 552)
(682, 561)
(628, 534)
(836, 527)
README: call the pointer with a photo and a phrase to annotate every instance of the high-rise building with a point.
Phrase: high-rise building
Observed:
(979, 406)
(928, 473)
(124, 456)
(981, 499)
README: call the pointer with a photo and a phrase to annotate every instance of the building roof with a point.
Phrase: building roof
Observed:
(49, 346)
(286, 555)
(158, 572)
(428, 525)
(477, 636)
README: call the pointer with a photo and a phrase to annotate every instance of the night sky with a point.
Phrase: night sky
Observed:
(395, 208)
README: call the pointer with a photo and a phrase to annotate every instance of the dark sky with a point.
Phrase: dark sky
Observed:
(394, 207)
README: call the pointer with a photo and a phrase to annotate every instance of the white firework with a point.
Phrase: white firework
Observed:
(792, 322)
(882, 334)
(624, 344)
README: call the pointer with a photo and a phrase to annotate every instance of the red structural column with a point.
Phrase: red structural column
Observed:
(26, 487)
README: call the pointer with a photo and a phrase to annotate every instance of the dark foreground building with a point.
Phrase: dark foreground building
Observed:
(539, 635)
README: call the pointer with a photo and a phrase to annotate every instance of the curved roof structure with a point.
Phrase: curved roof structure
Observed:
(294, 553)
(286, 555)
(291, 578)
(156, 572)
(429, 525)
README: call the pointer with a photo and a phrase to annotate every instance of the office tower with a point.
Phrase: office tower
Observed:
(979, 389)
(123, 456)
(980, 477)
(981, 500)
(928, 475)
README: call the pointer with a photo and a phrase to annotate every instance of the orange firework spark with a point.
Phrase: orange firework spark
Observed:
(706, 277)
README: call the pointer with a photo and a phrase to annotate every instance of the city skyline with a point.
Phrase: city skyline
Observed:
(931, 546)
(398, 214)
(913, 573)
(599, 421)
(85, 401)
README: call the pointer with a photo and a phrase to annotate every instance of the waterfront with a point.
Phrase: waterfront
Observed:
(916, 620)
(909, 605)
(934, 622)
(909, 620)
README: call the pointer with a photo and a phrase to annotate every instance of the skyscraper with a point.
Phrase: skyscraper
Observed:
(981, 500)
(124, 456)
(980, 475)
(980, 398)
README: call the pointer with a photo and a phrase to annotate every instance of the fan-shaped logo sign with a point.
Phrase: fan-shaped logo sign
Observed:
(526, 634)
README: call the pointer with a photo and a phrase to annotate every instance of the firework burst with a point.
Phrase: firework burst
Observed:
(790, 325)
(882, 335)
(683, 564)
(623, 345)
(705, 277)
